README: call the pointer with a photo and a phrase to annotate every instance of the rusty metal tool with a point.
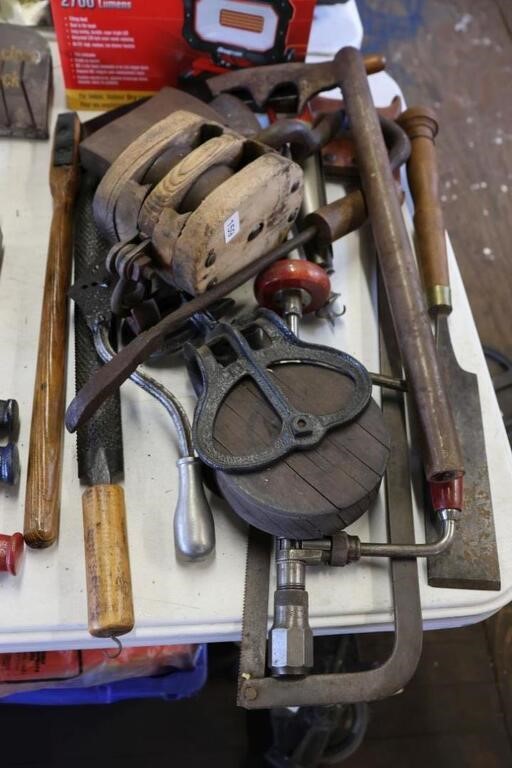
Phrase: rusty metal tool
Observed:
(215, 378)
(100, 439)
(25, 82)
(291, 641)
(194, 529)
(42, 500)
(338, 155)
(442, 456)
(472, 561)
(303, 80)
(112, 375)
(315, 197)
(320, 228)
(291, 287)
(300, 496)
(100, 451)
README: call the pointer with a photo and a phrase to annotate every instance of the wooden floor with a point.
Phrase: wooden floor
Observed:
(451, 713)
(456, 56)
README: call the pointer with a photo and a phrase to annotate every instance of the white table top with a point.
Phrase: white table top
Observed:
(45, 605)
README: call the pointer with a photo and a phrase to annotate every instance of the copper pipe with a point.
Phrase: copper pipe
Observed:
(441, 451)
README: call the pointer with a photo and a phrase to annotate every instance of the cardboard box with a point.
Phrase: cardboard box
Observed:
(115, 51)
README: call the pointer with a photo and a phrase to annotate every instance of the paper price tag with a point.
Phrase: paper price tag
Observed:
(231, 227)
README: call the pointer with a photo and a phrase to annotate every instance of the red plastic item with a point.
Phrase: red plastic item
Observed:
(117, 51)
(292, 275)
(11, 551)
(447, 495)
(32, 670)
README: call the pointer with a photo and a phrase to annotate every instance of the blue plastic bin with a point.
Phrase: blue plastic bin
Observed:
(171, 687)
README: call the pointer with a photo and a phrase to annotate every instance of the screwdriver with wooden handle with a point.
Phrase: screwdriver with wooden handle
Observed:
(42, 499)
(472, 560)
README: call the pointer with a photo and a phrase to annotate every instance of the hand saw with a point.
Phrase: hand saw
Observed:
(255, 689)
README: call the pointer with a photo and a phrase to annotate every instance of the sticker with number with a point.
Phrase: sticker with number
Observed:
(231, 227)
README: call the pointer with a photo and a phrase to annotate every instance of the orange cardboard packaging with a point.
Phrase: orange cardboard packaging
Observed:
(115, 51)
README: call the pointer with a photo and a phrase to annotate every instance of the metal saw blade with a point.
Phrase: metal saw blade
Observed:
(255, 610)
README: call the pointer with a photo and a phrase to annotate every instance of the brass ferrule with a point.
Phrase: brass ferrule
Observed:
(439, 297)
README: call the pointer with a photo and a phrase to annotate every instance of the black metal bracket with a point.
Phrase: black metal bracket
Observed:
(248, 349)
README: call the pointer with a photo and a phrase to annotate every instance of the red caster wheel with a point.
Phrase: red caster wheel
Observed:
(272, 285)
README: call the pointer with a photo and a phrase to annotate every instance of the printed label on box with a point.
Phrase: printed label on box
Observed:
(114, 51)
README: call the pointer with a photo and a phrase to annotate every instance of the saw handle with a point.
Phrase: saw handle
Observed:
(421, 126)
(42, 500)
(107, 562)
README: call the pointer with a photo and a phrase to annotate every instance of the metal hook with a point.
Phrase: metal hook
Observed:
(329, 311)
(114, 655)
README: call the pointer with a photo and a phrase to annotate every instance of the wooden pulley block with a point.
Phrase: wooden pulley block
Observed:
(175, 134)
(225, 201)
(308, 493)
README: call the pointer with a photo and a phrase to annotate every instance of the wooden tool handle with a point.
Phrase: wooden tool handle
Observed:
(339, 218)
(42, 501)
(421, 126)
(374, 62)
(107, 562)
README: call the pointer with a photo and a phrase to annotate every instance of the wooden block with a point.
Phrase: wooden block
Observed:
(99, 150)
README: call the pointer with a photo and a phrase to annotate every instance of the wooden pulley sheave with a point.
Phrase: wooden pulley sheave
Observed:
(298, 445)
(202, 200)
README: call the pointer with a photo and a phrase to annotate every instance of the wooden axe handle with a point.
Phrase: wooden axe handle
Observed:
(42, 500)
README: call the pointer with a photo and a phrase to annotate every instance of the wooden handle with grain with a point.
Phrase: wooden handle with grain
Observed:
(42, 500)
(422, 171)
(374, 62)
(339, 218)
(107, 562)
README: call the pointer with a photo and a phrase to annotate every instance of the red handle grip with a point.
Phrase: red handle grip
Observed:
(11, 551)
(447, 495)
